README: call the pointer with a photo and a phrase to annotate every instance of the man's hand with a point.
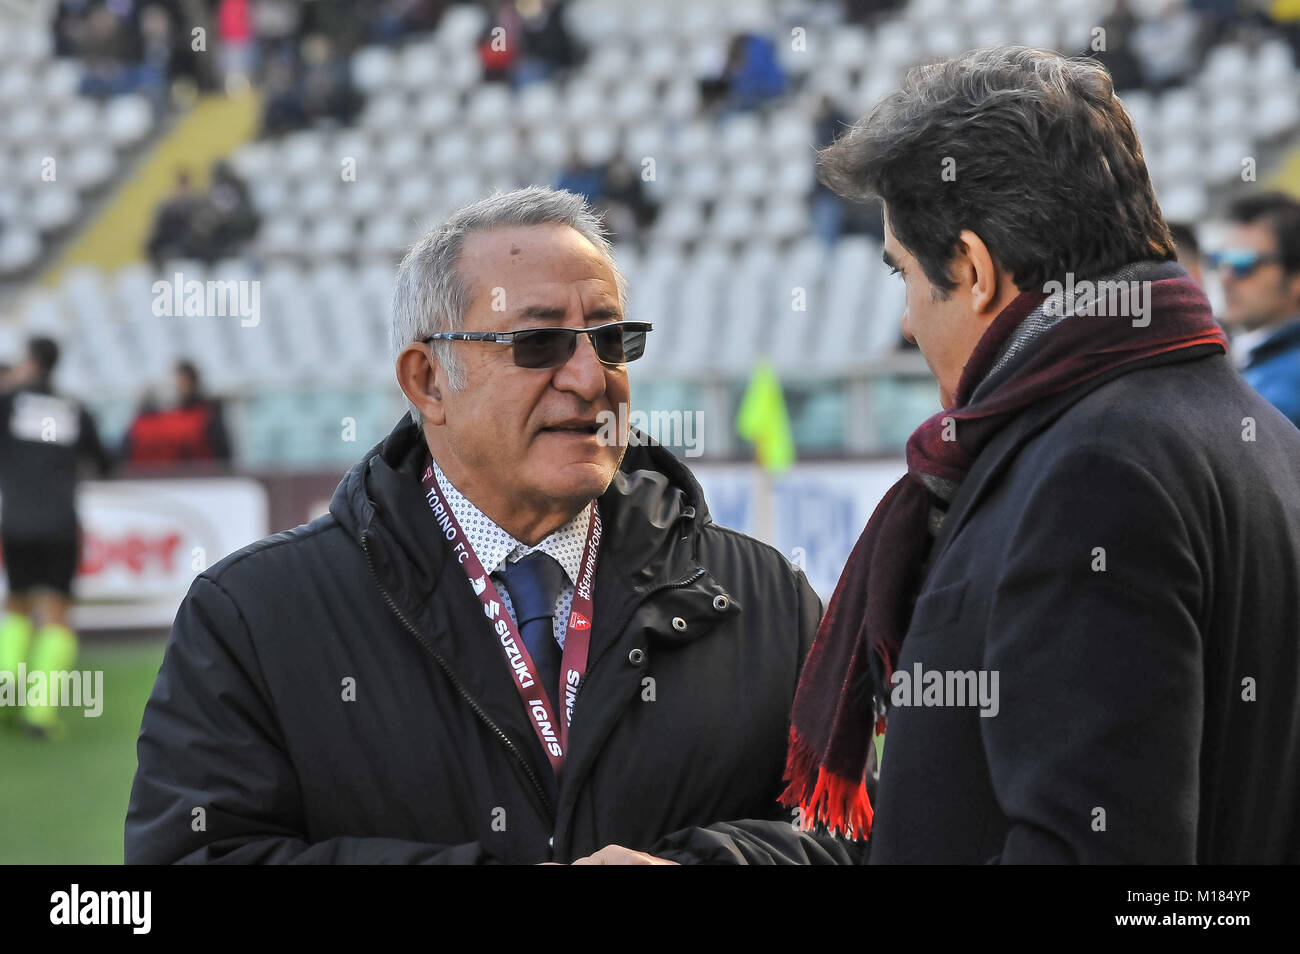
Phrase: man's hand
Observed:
(618, 855)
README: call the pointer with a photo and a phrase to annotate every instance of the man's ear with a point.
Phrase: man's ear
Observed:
(422, 380)
(988, 286)
(1292, 284)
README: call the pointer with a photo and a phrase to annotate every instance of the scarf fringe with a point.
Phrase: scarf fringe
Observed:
(839, 803)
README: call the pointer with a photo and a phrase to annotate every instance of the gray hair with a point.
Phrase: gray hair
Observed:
(431, 296)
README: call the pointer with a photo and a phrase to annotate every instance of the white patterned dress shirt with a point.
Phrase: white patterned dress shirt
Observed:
(494, 547)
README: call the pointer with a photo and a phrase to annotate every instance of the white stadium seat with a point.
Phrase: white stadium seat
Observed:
(54, 207)
(127, 119)
(373, 68)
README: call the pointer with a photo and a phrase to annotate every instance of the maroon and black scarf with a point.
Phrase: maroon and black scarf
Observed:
(1027, 354)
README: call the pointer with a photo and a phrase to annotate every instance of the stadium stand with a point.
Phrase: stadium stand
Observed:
(720, 249)
(59, 147)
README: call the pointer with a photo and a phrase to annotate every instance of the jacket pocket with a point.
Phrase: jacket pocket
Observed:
(937, 608)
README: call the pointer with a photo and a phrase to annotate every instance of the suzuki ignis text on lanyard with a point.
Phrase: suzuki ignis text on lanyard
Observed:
(573, 666)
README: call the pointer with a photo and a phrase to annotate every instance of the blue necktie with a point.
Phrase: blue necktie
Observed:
(534, 584)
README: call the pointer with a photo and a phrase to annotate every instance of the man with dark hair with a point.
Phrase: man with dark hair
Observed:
(1259, 266)
(43, 440)
(1072, 625)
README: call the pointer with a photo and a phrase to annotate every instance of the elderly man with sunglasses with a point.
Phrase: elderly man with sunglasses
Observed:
(510, 639)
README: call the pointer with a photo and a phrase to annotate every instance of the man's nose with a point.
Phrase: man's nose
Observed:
(583, 374)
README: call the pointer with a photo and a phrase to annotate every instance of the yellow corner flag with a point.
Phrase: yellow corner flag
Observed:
(763, 420)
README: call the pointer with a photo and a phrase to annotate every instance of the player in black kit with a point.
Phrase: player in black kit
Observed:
(45, 439)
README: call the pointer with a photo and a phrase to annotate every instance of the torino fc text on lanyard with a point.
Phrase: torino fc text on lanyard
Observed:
(577, 642)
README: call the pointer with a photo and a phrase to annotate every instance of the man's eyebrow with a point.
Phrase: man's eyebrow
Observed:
(547, 312)
(557, 313)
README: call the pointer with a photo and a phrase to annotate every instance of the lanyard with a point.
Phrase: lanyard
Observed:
(577, 641)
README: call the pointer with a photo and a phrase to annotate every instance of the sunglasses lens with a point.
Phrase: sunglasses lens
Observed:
(544, 348)
(619, 345)
(609, 345)
(551, 347)
(1242, 264)
(633, 344)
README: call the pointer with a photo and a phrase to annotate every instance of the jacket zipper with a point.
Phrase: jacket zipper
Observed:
(528, 769)
(685, 581)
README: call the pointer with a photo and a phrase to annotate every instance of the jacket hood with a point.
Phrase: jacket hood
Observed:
(381, 497)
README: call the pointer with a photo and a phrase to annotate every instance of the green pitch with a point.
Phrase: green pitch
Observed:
(64, 802)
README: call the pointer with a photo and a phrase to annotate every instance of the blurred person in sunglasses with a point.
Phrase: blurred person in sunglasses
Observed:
(1259, 267)
(516, 637)
(1068, 633)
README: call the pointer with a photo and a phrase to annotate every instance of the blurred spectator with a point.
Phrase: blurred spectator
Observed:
(346, 22)
(170, 236)
(1117, 53)
(751, 75)
(1220, 19)
(69, 26)
(275, 24)
(238, 52)
(627, 210)
(326, 82)
(867, 12)
(283, 111)
(194, 430)
(501, 43)
(1168, 45)
(223, 219)
(548, 49)
(828, 209)
(207, 225)
(151, 75)
(318, 89)
(1259, 266)
(582, 178)
(44, 440)
(1188, 248)
(616, 192)
(131, 47)
(397, 18)
(106, 48)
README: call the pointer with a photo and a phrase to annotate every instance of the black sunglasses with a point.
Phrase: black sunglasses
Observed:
(616, 343)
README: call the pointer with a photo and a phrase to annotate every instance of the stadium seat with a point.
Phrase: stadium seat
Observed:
(19, 249)
(1278, 112)
(90, 166)
(128, 119)
(53, 207)
(373, 68)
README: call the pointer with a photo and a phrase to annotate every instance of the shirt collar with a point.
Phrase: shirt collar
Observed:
(1248, 342)
(494, 546)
